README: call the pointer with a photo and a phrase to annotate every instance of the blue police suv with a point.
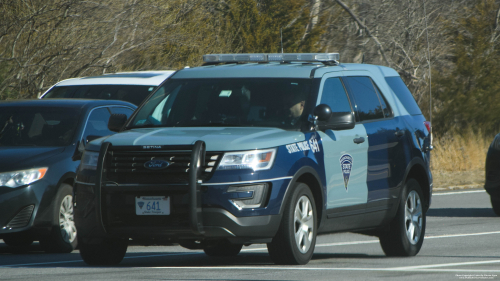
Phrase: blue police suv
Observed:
(41, 142)
(260, 148)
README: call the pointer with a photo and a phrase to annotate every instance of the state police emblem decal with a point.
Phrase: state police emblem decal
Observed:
(346, 165)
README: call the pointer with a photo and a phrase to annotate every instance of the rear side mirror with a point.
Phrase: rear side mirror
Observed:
(116, 122)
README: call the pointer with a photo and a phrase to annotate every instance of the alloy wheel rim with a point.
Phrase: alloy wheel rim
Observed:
(304, 224)
(66, 221)
(413, 217)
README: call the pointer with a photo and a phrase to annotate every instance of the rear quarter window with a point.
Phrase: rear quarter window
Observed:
(404, 95)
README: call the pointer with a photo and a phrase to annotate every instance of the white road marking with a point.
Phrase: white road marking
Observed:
(263, 248)
(205, 268)
(458, 192)
(446, 264)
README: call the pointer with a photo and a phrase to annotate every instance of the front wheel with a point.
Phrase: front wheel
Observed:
(105, 252)
(62, 238)
(296, 237)
(407, 230)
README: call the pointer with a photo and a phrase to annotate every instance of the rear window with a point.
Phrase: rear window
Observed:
(132, 93)
(404, 95)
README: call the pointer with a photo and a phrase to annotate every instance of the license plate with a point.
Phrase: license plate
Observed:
(152, 206)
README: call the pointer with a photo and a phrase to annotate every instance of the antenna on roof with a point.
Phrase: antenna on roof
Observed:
(281, 38)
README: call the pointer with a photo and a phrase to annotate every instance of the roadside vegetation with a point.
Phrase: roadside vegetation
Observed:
(42, 42)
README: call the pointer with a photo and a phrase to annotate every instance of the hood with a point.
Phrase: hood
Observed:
(216, 138)
(20, 158)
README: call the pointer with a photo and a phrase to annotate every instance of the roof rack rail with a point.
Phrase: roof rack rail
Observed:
(325, 58)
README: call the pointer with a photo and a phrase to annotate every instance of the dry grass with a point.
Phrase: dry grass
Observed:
(458, 160)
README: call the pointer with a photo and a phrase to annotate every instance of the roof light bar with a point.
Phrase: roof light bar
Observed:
(286, 57)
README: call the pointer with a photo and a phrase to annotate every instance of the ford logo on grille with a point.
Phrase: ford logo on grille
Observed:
(156, 164)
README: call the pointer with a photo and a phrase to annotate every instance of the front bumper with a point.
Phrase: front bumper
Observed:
(20, 208)
(198, 211)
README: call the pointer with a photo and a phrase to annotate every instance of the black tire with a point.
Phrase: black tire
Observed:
(400, 240)
(495, 204)
(107, 252)
(62, 237)
(284, 249)
(19, 240)
(221, 248)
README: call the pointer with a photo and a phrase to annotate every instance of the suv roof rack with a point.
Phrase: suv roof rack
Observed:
(325, 58)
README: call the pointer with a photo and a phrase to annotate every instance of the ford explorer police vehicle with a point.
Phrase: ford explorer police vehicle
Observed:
(260, 148)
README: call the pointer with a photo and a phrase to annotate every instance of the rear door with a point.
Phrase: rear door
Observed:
(386, 158)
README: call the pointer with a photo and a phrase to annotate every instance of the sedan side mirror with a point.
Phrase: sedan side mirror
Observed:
(116, 122)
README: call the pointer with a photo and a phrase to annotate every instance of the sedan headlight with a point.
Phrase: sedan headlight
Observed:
(20, 178)
(256, 160)
(89, 160)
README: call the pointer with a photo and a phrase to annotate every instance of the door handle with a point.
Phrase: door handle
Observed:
(399, 133)
(359, 140)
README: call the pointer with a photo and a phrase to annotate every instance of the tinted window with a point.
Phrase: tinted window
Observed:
(385, 105)
(37, 126)
(367, 101)
(97, 124)
(404, 95)
(243, 102)
(131, 93)
(335, 96)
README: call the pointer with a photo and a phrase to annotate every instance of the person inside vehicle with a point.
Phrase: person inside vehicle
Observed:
(295, 106)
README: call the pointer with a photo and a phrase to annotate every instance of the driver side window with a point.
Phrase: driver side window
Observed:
(335, 96)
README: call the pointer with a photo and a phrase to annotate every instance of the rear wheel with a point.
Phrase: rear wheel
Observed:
(407, 230)
(495, 203)
(106, 252)
(62, 238)
(222, 248)
(296, 237)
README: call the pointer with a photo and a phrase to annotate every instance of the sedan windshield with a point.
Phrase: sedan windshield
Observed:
(223, 102)
(37, 126)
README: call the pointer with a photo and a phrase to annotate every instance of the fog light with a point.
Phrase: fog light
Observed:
(248, 196)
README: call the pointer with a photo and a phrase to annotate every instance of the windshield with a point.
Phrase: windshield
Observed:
(131, 93)
(37, 126)
(262, 102)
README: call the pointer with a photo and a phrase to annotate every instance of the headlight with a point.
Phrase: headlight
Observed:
(496, 142)
(89, 160)
(256, 160)
(20, 178)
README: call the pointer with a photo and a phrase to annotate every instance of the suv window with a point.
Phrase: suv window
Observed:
(404, 95)
(334, 95)
(367, 100)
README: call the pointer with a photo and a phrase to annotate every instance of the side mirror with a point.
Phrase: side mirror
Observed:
(339, 121)
(116, 122)
(323, 112)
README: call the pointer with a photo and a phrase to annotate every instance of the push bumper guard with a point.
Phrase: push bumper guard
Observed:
(194, 227)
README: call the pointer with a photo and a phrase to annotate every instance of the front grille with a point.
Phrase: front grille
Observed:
(22, 218)
(127, 167)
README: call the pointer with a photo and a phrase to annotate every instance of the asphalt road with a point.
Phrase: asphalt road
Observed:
(462, 243)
